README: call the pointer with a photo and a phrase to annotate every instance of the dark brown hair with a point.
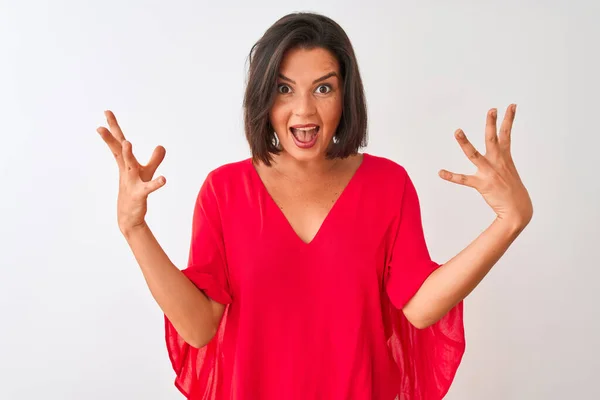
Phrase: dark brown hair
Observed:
(306, 31)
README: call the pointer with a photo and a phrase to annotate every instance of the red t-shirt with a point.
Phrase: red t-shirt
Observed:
(320, 320)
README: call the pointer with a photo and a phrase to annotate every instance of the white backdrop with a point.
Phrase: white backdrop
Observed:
(77, 320)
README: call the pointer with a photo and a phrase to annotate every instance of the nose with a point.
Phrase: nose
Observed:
(304, 105)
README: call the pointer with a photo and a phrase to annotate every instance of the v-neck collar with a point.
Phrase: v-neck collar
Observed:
(355, 176)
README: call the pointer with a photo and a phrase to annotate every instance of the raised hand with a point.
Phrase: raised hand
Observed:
(496, 179)
(135, 180)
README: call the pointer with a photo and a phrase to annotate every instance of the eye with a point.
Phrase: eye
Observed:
(282, 86)
(328, 87)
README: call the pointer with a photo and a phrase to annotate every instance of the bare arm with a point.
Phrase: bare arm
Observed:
(498, 181)
(190, 311)
(453, 281)
(194, 315)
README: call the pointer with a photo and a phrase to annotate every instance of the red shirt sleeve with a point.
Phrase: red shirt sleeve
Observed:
(410, 263)
(207, 264)
(427, 359)
(198, 370)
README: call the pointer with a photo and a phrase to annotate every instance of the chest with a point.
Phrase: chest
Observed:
(305, 206)
(328, 239)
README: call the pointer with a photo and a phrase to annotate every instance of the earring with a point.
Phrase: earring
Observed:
(276, 142)
(335, 140)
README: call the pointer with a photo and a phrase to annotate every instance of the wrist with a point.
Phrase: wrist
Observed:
(513, 225)
(129, 231)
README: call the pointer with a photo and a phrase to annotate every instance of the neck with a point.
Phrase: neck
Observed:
(303, 170)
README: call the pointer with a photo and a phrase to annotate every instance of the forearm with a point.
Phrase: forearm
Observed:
(192, 313)
(454, 280)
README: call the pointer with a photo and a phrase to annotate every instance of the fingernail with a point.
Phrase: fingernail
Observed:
(495, 112)
(514, 107)
(460, 134)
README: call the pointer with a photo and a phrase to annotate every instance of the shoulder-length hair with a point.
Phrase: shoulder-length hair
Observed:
(306, 31)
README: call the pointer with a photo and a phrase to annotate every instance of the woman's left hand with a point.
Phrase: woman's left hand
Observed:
(496, 179)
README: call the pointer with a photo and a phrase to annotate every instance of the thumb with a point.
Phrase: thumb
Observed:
(154, 185)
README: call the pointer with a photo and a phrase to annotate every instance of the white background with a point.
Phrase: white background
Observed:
(77, 320)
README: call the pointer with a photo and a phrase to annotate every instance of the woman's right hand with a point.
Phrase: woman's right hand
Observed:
(135, 180)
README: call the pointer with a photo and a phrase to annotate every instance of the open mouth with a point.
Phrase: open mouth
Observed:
(305, 137)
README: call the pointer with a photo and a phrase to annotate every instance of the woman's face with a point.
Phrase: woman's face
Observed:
(308, 103)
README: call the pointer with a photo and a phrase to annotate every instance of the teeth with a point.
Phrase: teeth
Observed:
(304, 129)
(311, 131)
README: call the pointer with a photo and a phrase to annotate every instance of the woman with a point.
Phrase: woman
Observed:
(308, 273)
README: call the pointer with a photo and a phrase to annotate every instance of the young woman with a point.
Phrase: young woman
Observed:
(308, 275)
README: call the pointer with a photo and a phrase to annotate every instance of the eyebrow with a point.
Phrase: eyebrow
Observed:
(329, 75)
